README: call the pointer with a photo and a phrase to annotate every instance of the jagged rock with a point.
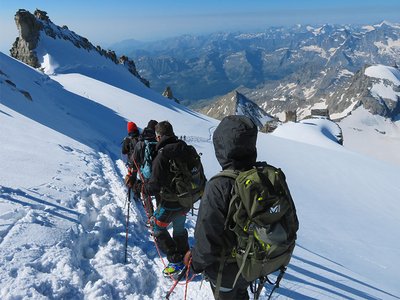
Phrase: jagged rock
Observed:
(270, 126)
(290, 116)
(111, 54)
(26, 94)
(25, 45)
(320, 112)
(41, 15)
(168, 94)
(130, 65)
(13, 86)
(10, 82)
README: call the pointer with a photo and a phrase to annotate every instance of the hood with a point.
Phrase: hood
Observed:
(165, 140)
(148, 134)
(235, 143)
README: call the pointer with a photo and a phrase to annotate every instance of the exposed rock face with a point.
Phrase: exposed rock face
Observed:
(168, 94)
(4, 79)
(31, 26)
(290, 116)
(41, 15)
(378, 95)
(130, 65)
(235, 103)
(339, 94)
(24, 46)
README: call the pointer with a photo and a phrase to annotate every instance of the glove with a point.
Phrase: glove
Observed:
(129, 180)
(187, 259)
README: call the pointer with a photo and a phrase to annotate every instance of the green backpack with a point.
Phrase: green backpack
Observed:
(188, 181)
(263, 216)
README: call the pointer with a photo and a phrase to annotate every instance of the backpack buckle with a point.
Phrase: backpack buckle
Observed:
(249, 227)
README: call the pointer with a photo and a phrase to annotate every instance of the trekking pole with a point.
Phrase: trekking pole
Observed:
(176, 282)
(257, 290)
(127, 225)
(280, 276)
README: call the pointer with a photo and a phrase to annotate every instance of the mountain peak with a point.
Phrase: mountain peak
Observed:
(235, 103)
(385, 23)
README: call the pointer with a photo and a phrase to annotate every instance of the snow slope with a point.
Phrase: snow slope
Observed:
(62, 201)
(384, 72)
(372, 135)
(318, 131)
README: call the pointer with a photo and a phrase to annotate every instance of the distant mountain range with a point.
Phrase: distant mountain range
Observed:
(296, 68)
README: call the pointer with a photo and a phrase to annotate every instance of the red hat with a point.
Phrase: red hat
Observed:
(132, 127)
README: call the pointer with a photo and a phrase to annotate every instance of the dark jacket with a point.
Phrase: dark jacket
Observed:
(128, 144)
(169, 147)
(235, 148)
(138, 153)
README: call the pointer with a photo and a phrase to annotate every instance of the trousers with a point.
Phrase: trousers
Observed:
(176, 246)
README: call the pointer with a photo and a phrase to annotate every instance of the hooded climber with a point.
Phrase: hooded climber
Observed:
(235, 148)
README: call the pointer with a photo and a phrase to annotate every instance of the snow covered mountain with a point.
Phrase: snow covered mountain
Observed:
(235, 103)
(372, 87)
(385, 88)
(62, 197)
(39, 38)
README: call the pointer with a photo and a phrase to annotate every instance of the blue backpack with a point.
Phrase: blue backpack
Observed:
(149, 154)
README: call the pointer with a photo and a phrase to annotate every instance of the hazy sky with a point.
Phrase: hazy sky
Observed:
(107, 22)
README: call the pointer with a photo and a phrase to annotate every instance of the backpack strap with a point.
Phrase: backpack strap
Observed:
(250, 243)
(147, 150)
(233, 174)
(219, 276)
(227, 173)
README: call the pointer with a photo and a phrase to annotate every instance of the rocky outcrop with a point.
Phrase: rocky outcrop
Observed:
(130, 65)
(4, 79)
(30, 27)
(25, 45)
(168, 94)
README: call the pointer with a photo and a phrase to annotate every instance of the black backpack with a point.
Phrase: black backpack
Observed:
(188, 180)
(132, 141)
